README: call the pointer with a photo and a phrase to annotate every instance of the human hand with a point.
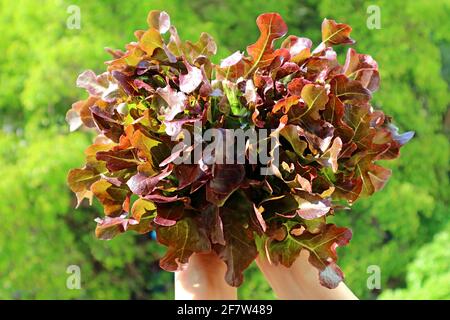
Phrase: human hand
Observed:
(203, 279)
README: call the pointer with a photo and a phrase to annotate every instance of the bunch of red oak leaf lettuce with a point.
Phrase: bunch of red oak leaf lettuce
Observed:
(329, 138)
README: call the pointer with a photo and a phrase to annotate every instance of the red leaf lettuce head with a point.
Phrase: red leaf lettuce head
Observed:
(330, 138)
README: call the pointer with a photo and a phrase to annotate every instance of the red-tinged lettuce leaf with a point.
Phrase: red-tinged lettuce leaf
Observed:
(126, 82)
(141, 184)
(258, 220)
(175, 102)
(115, 53)
(311, 207)
(142, 208)
(143, 212)
(143, 227)
(250, 93)
(321, 248)
(139, 84)
(233, 67)
(160, 198)
(286, 104)
(91, 156)
(211, 218)
(264, 83)
(323, 254)
(225, 180)
(119, 159)
(106, 124)
(388, 135)
(175, 44)
(302, 203)
(347, 150)
(323, 66)
(298, 177)
(334, 114)
(204, 47)
(80, 181)
(401, 139)
(169, 213)
(330, 157)
(148, 147)
(240, 249)
(174, 127)
(108, 227)
(150, 41)
(191, 80)
(347, 187)
(359, 118)
(335, 33)
(296, 85)
(283, 205)
(256, 119)
(98, 86)
(282, 73)
(81, 111)
(299, 48)
(271, 27)
(159, 20)
(373, 177)
(111, 197)
(292, 135)
(187, 174)
(315, 97)
(349, 91)
(363, 68)
(73, 119)
(318, 134)
(281, 248)
(195, 53)
(132, 57)
(182, 239)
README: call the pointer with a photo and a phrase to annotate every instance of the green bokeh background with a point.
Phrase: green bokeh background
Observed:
(404, 229)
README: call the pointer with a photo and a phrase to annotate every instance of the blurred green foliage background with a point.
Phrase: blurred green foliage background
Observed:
(405, 229)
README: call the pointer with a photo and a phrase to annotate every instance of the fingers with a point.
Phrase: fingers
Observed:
(300, 281)
(203, 279)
